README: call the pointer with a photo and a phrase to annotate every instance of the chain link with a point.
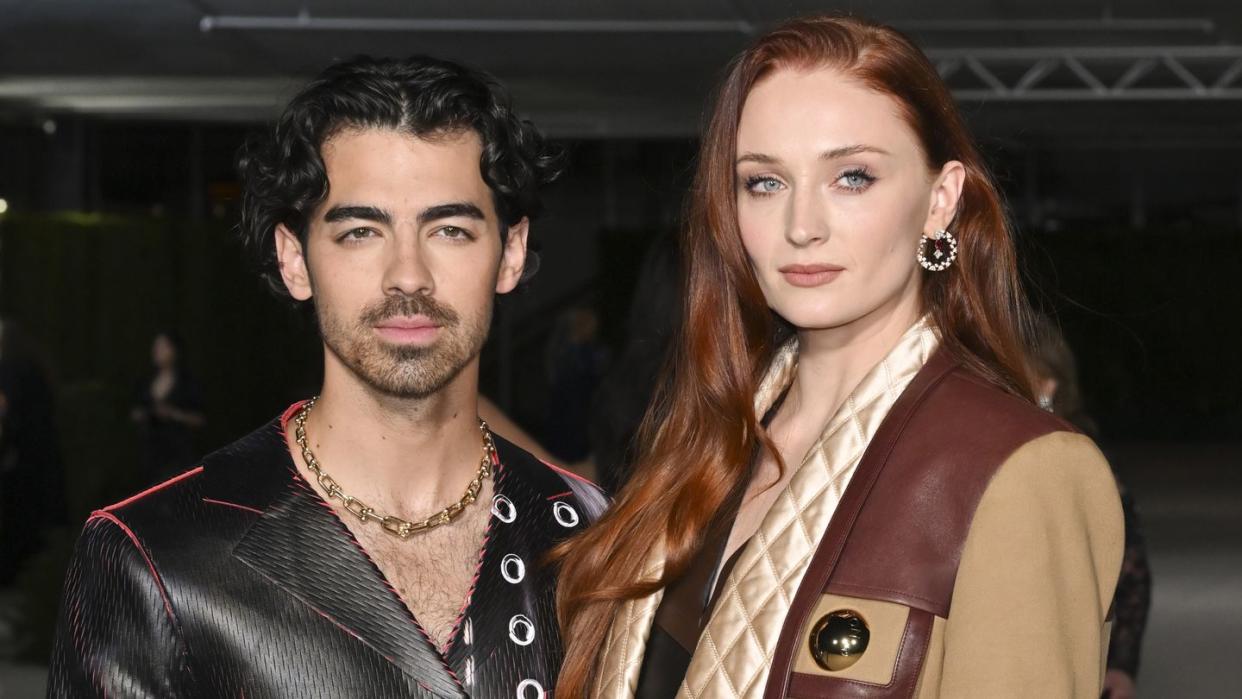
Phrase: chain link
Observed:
(393, 525)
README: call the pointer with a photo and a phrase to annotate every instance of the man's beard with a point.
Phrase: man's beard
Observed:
(404, 371)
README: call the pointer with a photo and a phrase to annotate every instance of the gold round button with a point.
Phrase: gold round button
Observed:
(839, 639)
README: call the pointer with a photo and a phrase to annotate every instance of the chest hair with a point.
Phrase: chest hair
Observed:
(432, 571)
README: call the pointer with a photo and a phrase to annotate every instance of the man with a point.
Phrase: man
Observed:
(348, 547)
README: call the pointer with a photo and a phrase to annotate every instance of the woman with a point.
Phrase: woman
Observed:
(168, 407)
(845, 488)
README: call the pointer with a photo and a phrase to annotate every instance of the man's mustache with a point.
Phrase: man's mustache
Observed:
(405, 306)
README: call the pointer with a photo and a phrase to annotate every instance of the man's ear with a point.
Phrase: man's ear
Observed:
(513, 257)
(292, 260)
(945, 194)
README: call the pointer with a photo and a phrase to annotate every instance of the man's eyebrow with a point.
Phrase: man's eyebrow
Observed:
(450, 210)
(855, 149)
(353, 212)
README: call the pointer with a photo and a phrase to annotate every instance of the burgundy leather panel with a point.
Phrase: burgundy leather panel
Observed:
(933, 482)
(912, 497)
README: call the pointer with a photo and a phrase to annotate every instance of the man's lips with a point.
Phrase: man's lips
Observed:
(413, 330)
(810, 275)
(413, 323)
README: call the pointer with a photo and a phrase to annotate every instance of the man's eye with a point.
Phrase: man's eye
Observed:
(453, 233)
(357, 234)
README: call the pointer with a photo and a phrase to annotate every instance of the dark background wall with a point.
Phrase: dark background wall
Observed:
(1113, 126)
(1144, 280)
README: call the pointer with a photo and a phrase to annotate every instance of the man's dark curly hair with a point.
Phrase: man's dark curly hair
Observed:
(283, 176)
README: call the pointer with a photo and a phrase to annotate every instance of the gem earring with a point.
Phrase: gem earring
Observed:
(943, 251)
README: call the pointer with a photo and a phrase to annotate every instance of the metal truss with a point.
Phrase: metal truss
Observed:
(1037, 73)
(1092, 73)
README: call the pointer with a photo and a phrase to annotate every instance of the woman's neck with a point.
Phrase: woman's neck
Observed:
(832, 361)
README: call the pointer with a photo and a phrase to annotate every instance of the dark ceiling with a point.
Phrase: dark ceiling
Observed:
(585, 67)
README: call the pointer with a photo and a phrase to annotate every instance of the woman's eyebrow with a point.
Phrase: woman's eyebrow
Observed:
(831, 154)
(761, 158)
(855, 149)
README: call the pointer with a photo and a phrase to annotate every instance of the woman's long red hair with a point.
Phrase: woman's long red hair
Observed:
(699, 436)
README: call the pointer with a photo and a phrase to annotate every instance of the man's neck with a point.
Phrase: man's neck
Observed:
(404, 457)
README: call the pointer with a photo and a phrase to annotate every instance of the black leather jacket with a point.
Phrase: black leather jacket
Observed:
(236, 579)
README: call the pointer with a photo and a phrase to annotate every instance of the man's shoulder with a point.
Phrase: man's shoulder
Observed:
(140, 528)
(551, 481)
(235, 480)
(158, 505)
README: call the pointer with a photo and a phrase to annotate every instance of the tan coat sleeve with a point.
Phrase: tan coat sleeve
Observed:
(1037, 577)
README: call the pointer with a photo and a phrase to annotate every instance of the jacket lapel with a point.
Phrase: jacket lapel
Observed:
(826, 555)
(302, 547)
(508, 630)
(736, 647)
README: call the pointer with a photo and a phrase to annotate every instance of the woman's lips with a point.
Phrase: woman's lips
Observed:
(810, 275)
(408, 331)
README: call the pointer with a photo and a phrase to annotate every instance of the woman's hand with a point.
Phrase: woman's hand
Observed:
(1119, 685)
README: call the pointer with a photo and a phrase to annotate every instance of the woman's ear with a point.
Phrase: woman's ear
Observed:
(946, 192)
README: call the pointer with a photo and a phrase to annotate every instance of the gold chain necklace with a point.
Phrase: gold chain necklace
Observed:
(393, 525)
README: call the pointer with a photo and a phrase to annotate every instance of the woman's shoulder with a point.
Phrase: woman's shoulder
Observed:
(962, 412)
(975, 432)
(971, 394)
(953, 429)
(1034, 438)
(1059, 461)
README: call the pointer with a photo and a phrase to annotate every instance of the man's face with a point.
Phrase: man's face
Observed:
(402, 258)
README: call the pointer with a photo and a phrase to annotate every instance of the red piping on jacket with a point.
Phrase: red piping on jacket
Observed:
(153, 489)
(159, 582)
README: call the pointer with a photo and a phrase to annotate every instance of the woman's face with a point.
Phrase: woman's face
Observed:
(833, 195)
(163, 352)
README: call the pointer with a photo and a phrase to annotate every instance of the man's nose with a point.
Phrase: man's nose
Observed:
(407, 272)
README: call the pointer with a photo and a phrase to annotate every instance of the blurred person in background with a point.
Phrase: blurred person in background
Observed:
(378, 539)
(168, 409)
(32, 476)
(844, 486)
(1059, 393)
(575, 361)
(628, 385)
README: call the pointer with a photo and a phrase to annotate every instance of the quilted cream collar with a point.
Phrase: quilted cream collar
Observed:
(734, 653)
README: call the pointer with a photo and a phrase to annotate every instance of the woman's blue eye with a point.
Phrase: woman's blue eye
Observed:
(764, 185)
(856, 180)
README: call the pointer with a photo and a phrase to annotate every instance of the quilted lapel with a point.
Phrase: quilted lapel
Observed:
(621, 658)
(734, 653)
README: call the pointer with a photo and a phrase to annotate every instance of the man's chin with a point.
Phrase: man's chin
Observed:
(413, 373)
(406, 353)
(403, 387)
